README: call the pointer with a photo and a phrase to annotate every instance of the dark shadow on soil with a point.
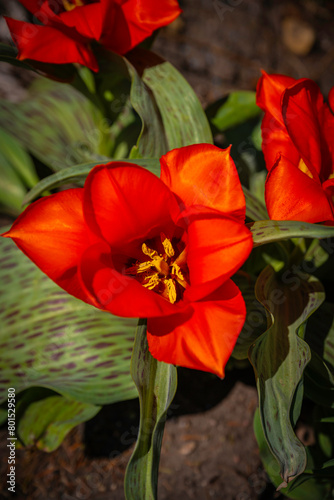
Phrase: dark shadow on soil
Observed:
(114, 429)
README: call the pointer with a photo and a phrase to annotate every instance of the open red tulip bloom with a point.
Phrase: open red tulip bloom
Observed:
(298, 145)
(69, 26)
(163, 249)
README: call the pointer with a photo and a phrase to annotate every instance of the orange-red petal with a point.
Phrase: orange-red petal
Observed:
(86, 20)
(135, 20)
(300, 108)
(49, 44)
(216, 248)
(53, 234)
(292, 195)
(276, 141)
(204, 340)
(125, 203)
(269, 92)
(203, 174)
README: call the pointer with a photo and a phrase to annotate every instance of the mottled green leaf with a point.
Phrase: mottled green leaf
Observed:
(256, 318)
(45, 423)
(182, 115)
(152, 142)
(18, 158)
(255, 210)
(12, 189)
(239, 107)
(50, 339)
(304, 487)
(267, 231)
(279, 358)
(80, 172)
(57, 124)
(156, 384)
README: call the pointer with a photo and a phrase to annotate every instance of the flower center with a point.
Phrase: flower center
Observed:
(164, 273)
(72, 4)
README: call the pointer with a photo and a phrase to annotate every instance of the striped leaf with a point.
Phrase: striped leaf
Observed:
(156, 384)
(50, 339)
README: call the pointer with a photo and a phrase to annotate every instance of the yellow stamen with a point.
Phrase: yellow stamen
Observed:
(70, 6)
(171, 290)
(148, 251)
(161, 273)
(178, 276)
(153, 281)
(169, 250)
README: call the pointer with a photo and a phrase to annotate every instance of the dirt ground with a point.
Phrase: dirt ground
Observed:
(209, 451)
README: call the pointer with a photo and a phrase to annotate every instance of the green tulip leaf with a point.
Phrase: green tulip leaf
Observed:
(20, 160)
(171, 113)
(256, 318)
(57, 124)
(45, 423)
(304, 487)
(156, 384)
(152, 141)
(239, 107)
(279, 358)
(182, 115)
(78, 173)
(255, 210)
(50, 339)
(267, 231)
(12, 189)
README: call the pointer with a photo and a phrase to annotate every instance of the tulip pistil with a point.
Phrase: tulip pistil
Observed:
(161, 273)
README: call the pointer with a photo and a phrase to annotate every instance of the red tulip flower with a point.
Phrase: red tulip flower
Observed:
(163, 249)
(298, 145)
(69, 26)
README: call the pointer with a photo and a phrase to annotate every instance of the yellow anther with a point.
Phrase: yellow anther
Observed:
(144, 266)
(68, 5)
(153, 281)
(148, 251)
(171, 290)
(169, 250)
(176, 273)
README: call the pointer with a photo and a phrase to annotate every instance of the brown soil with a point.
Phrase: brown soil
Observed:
(209, 450)
(209, 453)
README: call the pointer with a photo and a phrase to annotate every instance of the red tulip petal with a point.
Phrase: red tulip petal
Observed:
(49, 45)
(328, 187)
(276, 141)
(31, 5)
(53, 234)
(206, 339)
(300, 104)
(43, 12)
(117, 293)
(203, 174)
(269, 91)
(217, 247)
(331, 99)
(292, 195)
(126, 203)
(86, 20)
(135, 20)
